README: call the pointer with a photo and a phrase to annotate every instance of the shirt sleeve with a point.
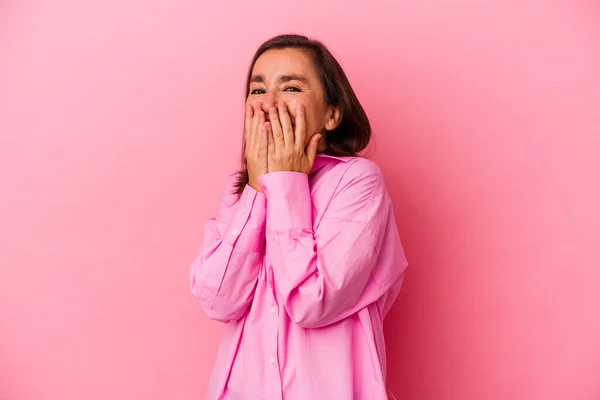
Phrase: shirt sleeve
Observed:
(330, 273)
(223, 276)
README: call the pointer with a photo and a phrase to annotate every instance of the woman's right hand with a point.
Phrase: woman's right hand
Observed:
(255, 135)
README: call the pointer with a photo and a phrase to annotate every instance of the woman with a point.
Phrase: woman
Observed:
(303, 259)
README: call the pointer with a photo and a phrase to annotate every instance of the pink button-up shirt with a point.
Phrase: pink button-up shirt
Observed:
(303, 275)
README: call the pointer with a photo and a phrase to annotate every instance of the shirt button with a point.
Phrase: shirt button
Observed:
(273, 310)
(272, 360)
(243, 211)
(235, 232)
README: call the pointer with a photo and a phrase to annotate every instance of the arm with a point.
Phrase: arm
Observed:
(331, 273)
(223, 276)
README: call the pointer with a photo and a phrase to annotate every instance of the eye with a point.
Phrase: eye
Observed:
(292, 89)
(257, 91)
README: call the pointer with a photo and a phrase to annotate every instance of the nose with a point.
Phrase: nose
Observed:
(270, 100)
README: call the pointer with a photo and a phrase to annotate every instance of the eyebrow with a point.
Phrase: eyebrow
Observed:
(281, 79)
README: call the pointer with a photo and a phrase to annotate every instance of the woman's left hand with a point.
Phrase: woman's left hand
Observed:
(287, 150)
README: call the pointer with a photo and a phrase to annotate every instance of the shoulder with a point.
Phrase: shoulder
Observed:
(233, 178)
(358, 175)
(358, 191)
(363, 166)
(230, 188)
(360, 169)
(231, 182)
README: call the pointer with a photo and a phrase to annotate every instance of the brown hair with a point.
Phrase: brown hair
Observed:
(353, 133)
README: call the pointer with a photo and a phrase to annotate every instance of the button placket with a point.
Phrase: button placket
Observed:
(273, 383)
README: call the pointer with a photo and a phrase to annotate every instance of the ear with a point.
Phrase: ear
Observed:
(334, 118)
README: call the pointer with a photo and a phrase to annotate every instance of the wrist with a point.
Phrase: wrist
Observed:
(256, 186)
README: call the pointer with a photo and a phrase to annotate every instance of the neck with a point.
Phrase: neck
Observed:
(322, 146)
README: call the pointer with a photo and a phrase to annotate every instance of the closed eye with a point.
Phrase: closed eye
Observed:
(287, 89)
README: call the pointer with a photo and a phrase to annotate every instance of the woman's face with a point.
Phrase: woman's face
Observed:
(288, 75)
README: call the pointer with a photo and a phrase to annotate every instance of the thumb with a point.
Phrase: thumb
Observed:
(311, 150)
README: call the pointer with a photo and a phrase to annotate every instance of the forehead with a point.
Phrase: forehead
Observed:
(277, 62)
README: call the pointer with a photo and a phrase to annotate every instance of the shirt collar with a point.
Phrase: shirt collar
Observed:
(323, 159)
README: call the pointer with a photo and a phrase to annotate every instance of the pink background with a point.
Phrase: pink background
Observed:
(120, 119)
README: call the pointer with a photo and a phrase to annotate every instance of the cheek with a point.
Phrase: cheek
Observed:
(313, 120)
(251, 100)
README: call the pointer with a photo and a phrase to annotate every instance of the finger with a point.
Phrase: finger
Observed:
(256, 122)
(262, 147)
(311, 150)
(278, 137)
(260, 121)
(300, 131)
(264, 139)
(286, 124)
(270, 140)
(249, 114)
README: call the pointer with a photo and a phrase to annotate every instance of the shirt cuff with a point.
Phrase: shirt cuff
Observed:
(289, 205)
(246, 229)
